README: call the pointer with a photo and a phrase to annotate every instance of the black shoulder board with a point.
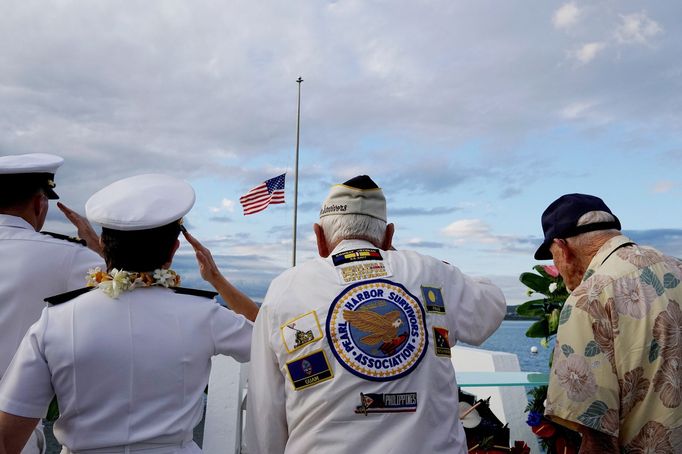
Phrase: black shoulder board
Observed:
(194, 292)
(72, 239)
(68, 296)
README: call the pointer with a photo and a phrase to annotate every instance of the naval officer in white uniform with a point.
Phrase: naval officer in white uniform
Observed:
(351, 351)
(33, 265)
(129, 357)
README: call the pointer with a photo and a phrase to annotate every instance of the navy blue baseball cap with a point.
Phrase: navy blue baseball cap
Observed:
(561, 217)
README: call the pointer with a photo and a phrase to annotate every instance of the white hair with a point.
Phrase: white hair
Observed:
(341, 227)
(593, 217)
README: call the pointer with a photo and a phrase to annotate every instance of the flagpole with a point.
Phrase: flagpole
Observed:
(298, 136)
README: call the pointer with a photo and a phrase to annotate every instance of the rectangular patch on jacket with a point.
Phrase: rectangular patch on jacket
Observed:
(433, 299)
(441, 341)
(387, 403)
(309, 370)
(362, 272)
(356, 255)
(301, 331)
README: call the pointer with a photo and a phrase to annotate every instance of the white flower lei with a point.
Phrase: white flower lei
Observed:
(118, 281)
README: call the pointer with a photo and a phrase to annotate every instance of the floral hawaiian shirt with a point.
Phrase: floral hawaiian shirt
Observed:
(617, 364)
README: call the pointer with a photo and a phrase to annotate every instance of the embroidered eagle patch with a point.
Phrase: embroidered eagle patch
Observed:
(376, 330)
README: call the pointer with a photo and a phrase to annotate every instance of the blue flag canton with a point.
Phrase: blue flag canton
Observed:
(274, 184)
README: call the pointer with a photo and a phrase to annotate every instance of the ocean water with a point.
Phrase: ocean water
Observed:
(510, 337)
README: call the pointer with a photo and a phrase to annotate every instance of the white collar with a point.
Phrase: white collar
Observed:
(7, 220)
(346, 245)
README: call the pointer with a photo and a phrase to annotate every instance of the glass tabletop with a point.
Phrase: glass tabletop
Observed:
(465, 379)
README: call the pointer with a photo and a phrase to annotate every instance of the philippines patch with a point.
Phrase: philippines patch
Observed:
(356, 255)
(441, 341)
(376, 330)
(309, 370)
(387, 403)
(433, 298)
(301, 331)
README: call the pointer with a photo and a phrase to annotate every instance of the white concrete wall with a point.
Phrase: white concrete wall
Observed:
(507, 403)
(223, 421)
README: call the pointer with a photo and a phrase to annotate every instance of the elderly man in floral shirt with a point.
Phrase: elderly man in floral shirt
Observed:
(617, 369)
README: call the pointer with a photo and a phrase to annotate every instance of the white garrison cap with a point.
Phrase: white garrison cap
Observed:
(141, 202)
(359, 195)
(30, 170)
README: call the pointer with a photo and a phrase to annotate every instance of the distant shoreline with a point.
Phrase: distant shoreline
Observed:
(512, 315)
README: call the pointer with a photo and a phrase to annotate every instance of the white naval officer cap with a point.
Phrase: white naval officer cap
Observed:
(30, 171)
(141, 202)
(359, 195)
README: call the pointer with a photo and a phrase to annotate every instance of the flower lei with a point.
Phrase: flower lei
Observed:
(118, 281)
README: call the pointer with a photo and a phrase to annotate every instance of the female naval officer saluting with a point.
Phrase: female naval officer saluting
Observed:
(128, 357)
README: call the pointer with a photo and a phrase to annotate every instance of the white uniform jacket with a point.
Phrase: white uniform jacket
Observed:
(33, 266)
(125, 371)
(351, 353)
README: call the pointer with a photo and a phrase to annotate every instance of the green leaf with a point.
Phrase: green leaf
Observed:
(538, 329)
(593, 415)
(535, 282)
(553, 322)
(533, 308)
(567, 349)
(592, 349)
(565, 315)
(653, 350)
(670, 281)
(648, 277)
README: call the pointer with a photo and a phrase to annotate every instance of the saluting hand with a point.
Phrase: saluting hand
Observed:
(85, 230)
(235, 299)
(207, 266)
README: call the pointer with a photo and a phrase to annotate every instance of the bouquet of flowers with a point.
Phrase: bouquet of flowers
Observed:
(547, 283)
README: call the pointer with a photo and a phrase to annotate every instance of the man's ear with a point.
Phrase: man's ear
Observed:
(387, 244)
(563, 247)
(322, 248)
(38, 211)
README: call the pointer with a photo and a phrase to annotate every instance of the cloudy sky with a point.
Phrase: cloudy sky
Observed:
(473, 116)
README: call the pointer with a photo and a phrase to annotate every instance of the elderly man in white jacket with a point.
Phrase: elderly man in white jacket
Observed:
(351, 350)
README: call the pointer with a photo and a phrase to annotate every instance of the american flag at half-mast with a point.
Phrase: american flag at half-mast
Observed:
(267, 193)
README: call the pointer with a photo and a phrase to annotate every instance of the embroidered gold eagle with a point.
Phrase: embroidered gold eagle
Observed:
(383, 328)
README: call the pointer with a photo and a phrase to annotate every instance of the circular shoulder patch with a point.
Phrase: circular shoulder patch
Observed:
(376, 330)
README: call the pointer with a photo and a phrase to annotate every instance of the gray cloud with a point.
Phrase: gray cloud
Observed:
(418, 211)
(668, 241)
(109, 86)
(221, 219)
(417, 244)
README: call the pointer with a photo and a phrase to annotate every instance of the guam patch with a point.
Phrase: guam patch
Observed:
(376, 330)
(301, 331)
(441, 341)
(387, 403)
(356, 255)
(433, 299)
(309, 370)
